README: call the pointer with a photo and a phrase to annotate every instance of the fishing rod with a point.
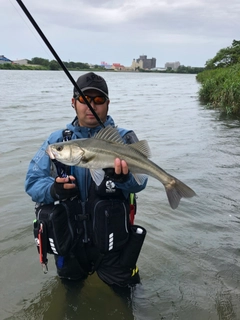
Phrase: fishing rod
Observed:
(25, 10)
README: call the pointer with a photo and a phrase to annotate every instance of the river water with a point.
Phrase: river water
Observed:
(189, 263)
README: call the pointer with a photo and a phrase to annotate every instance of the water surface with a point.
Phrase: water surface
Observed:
(189, 263)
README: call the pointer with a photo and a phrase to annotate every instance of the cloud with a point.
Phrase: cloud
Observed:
(188, 31)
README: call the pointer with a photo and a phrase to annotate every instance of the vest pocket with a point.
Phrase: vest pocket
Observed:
(130, 253)
(110, 224)
(60, 224)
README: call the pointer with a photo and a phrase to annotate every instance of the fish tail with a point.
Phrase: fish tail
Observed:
(176, 190)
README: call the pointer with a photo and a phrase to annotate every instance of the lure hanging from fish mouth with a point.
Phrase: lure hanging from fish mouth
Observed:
(56, 56)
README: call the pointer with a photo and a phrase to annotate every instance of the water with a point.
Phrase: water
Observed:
(189, 263)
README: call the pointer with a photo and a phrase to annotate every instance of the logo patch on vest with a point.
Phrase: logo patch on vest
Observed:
(110, 186)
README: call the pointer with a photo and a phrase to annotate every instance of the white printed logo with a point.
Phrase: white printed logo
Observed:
(110, 186)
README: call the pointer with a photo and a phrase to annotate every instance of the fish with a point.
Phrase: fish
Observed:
(99, 152)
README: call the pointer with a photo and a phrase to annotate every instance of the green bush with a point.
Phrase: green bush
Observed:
(11, 66)
(220, 88)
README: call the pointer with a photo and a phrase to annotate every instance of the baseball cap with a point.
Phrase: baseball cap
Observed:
(89, 81)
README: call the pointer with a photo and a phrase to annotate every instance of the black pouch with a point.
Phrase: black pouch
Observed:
(110, 222)
(132, 249)
(61, 224)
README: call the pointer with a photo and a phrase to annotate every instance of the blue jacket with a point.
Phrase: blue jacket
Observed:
(40, 175)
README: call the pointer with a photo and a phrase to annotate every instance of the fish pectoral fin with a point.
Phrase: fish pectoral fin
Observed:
(140, 178)
(141, 147)
(97, 175)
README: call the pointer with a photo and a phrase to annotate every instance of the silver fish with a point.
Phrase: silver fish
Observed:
(100, 151)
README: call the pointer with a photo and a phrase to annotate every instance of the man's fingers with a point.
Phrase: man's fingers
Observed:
(67, 182)
(69, 185)
(118, 168)
(124, 167)
(121, 166)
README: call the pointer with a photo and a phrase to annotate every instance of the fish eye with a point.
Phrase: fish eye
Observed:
(60, 148)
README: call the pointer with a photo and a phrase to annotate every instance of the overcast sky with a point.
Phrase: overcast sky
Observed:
(189, 31)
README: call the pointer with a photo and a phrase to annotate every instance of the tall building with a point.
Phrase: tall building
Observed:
(144, 63)
(172, 65)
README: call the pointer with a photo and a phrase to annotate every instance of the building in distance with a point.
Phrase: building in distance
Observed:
(22, 62)
(118, 67)
(144, 63)
(105, 65)
(4, 60)
(172, 65)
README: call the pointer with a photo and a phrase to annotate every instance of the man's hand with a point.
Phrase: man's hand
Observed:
(120, 173)
(64, 188)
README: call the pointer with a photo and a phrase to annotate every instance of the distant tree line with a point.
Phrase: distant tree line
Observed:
(180, 69)
(54, 65)
(44, 64)
(184, 69)
(12, 66)
(220, 81)
(37, 63)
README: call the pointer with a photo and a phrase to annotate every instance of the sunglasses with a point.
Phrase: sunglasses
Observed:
(96, 100)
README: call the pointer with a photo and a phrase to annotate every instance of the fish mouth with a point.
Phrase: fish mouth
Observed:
(54, 155)
(51, 153)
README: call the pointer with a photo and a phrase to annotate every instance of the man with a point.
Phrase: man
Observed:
(46, 184)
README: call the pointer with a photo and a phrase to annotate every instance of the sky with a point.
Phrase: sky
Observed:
(118, 31)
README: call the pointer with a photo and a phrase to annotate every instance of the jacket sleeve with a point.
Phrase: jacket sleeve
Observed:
(38, 178)
(131, 185)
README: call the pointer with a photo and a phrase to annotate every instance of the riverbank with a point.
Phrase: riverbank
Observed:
(10, 66)
(220, 88)
(54, 66)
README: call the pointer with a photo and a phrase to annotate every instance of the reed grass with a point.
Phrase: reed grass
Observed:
(220, 88)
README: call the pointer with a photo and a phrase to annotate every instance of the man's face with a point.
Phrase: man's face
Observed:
(84, 114)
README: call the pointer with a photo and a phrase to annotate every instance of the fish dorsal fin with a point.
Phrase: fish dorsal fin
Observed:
(142, 147)
(110, 134)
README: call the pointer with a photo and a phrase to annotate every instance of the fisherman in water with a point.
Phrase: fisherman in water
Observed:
(102, 223)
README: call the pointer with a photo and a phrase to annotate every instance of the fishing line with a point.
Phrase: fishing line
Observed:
(25, 10)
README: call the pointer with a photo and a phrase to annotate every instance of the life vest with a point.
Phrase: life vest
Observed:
(102, 221)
